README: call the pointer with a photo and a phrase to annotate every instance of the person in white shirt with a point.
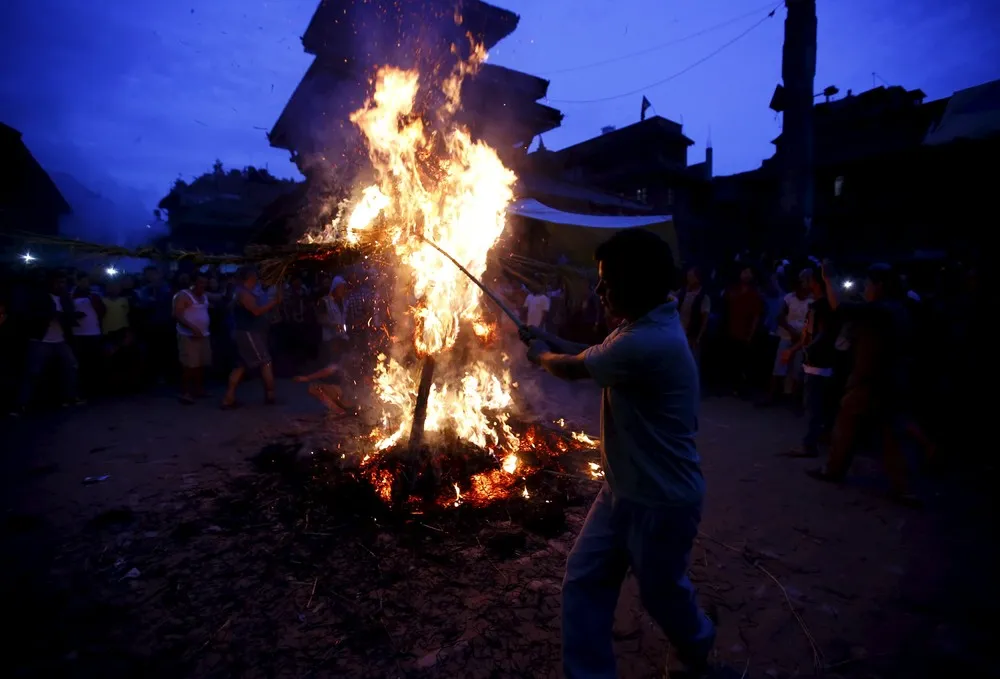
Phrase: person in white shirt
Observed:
(536, 306)
(88, 342)
(786, 375)
(332, 317)
(194, 346)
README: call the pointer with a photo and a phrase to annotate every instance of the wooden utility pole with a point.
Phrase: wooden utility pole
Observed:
(795, 150)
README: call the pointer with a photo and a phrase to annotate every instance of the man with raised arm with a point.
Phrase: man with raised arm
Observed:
(646, 516)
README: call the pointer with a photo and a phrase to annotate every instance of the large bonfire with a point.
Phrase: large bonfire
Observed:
(434, 182)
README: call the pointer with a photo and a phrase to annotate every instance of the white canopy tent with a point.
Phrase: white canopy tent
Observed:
(577, 235)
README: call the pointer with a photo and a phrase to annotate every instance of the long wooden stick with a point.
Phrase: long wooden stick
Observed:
(489, 293)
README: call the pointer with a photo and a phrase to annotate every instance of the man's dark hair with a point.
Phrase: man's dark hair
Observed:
(884, 275)
(244, 272)
(641, 265)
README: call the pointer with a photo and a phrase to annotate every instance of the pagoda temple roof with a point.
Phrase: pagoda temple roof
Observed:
(337, 25)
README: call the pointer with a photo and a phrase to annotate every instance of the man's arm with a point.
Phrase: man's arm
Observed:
(805, 337)
(755, 324)
(831, 291)
(848, 311)
(706, 312)
(563, 366)
(783, 321)
(558, 344)
(249, 303)
(623, 358)
(328, 371)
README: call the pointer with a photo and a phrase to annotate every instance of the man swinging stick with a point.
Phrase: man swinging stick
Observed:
(646, 516)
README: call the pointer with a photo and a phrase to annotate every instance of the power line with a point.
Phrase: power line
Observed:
(673, 76)
(660, 46)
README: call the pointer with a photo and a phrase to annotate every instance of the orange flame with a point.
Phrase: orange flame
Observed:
(434, 182)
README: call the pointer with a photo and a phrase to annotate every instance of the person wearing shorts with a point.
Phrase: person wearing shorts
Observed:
(786, 375)
(194, 346)
(250, 336)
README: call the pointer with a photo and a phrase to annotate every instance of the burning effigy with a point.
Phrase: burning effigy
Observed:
(443, 388)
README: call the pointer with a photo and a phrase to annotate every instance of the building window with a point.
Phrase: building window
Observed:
(641, 195)
(838, 186)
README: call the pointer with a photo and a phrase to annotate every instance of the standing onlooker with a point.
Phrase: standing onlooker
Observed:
(250, 318)
(536, 307)
(744, 307)
(118, 339)
(87, 339)
(774, 298)
(818, 346)
(876, 385)
(695, 308)
(50, 319)
(155, 300)
(332, 316)
(194, 343)
(786, 374)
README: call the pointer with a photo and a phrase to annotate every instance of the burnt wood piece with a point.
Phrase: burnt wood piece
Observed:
(420, 409)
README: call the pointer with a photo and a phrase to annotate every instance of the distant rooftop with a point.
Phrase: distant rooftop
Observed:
(656, 126)
(381, 29)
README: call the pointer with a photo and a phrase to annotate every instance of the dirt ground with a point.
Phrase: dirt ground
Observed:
(188, 561)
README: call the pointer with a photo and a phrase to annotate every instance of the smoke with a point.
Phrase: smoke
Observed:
(106, 212)
(547, 398)
(426, 36)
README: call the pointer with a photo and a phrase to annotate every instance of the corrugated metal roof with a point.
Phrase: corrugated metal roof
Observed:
(972, 113)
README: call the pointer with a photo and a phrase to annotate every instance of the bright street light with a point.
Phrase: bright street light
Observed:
(28, 257)
(111, 271)
(848, 284)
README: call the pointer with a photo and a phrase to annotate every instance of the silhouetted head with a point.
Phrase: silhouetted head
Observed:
(338, 288)
(746, 275)
(881, 283)
(694, 278)
(57, 283)
(246, 276)
(200, 284)
(82, 283)
(805, 286)
(153, 275)
(636, 270)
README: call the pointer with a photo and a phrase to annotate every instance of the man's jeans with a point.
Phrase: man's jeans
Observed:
(39, 355)
(655, 543)
(819, 409)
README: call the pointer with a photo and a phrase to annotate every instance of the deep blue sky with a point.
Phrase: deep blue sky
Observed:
(137, 92)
